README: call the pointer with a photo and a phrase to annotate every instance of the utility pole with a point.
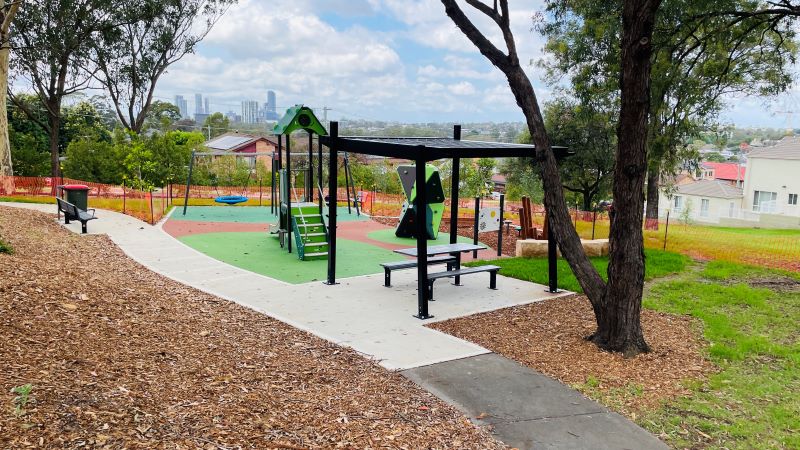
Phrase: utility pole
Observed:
(209, 132)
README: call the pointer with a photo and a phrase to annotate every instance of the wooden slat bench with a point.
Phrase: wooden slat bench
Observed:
(465, 271)
(72, 212)
(408, 264)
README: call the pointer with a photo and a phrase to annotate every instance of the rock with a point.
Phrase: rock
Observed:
(537, 248)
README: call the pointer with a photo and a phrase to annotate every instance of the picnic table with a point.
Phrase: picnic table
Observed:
(452, 249)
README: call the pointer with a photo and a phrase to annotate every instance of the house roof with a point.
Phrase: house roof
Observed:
(499, 178)
(725, 171)
(710, 188)
(230, 142)
(787, 148)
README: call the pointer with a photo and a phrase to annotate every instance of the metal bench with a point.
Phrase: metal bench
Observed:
(72, 212)
(408, 264)
(465, 271)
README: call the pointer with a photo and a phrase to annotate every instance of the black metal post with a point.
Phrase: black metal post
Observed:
(552, 259)
(289, 192)
(319, 172)
(594, 222)
(454, 182)
(310, 176)
(500, 228)
(347, 180)
(666, 229)
(272, 186)
(188, 183)
(332, 182)
(475, 225)
(422, 242)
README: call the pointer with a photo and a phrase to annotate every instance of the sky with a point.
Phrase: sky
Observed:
(393, 60)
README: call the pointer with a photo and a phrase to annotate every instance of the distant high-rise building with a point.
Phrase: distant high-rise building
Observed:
(233, 117)
(271, 107)
(198, 104)
(182, 105)
(249, 111)
(206, 109)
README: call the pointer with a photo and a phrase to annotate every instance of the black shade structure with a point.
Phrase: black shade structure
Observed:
(421, 150)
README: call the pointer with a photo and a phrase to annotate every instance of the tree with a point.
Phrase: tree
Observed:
(29, 142)
(154, 35)
(52, 42)
(694, 64)
(162, 116)
(8, 9)
(591, 135)
(616, 304)
(217, 124)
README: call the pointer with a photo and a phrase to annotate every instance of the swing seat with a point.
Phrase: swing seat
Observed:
(231, 199)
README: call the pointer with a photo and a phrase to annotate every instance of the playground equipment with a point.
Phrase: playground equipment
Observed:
(224, 199)
(434, 202)
(301, 217)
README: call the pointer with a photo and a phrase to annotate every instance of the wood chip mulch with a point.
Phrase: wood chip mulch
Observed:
(548, 336)
(120, 357)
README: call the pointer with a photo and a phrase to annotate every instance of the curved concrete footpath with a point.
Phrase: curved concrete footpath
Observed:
(528, 409)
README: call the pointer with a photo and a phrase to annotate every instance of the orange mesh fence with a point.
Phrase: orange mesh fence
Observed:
(147, 206)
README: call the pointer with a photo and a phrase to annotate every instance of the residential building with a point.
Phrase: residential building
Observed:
(772, 183)
(731, 173)
(702, 201)
(250, 111)
(235, 142)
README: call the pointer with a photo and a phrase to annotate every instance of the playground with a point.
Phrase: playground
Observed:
(238, 235)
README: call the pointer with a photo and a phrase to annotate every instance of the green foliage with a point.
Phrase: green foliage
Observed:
(475, 177)
(658, 263)
(97, 161)
(218, 122)
(22, 397)
(752, 402)
(5, 248)
(161, 116)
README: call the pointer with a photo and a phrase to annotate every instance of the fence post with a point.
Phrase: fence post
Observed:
(666, 228)
(260, 191)
(475, 230)
(123, 196)
(152, 220)
(500, 231)
(594, 221)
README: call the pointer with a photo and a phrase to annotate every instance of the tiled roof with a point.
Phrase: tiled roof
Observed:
(787, 148)
(725, 171)
(710, 188)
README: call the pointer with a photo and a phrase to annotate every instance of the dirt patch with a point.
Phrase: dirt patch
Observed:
(549, 336)
(776, 283)
(120, 357)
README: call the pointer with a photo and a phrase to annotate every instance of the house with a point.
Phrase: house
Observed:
(731, 173)
(235, 142)
(499, 183)
(703, 200)
(772, 181)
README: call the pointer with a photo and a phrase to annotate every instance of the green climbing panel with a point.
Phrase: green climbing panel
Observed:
(434, 202)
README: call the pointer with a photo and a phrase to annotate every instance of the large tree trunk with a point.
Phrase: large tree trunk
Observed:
(618, 314)
(6, 167)
(55, 164)
(651, 215)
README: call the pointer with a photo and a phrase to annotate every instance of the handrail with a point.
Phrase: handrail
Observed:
(299, 209)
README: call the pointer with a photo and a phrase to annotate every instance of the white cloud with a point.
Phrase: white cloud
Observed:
(463, 88)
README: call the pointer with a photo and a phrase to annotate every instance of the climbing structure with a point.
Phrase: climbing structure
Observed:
(300, 216)
(434, 202)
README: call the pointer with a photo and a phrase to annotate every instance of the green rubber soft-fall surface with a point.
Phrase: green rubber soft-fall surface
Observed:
(246, 214)
(260, 252)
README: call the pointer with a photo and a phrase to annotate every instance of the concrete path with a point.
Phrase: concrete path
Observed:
(525, 409)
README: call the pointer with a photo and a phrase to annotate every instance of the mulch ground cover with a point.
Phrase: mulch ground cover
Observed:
(548, 336)
(120, 357)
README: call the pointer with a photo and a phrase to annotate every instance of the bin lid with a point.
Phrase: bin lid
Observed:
(75, 187)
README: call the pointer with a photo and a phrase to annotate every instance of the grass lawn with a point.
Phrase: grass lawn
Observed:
(752, 333)
(658, 264)
(749, 317)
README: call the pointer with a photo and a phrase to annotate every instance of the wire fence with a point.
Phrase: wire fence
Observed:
(149, 206)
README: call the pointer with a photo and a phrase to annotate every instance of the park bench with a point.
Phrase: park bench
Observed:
(408, 264)
(465, 271)
(72, 212)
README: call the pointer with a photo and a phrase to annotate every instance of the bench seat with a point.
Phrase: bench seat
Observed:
(411, 263)
(465, 271)
(72, 212)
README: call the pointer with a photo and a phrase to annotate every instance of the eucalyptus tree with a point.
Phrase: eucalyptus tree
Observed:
(52, 43)
(155, 34)
(8, 10)
(617, 303)
(700, 56)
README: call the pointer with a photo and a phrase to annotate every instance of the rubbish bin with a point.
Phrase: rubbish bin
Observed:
(77, 194)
